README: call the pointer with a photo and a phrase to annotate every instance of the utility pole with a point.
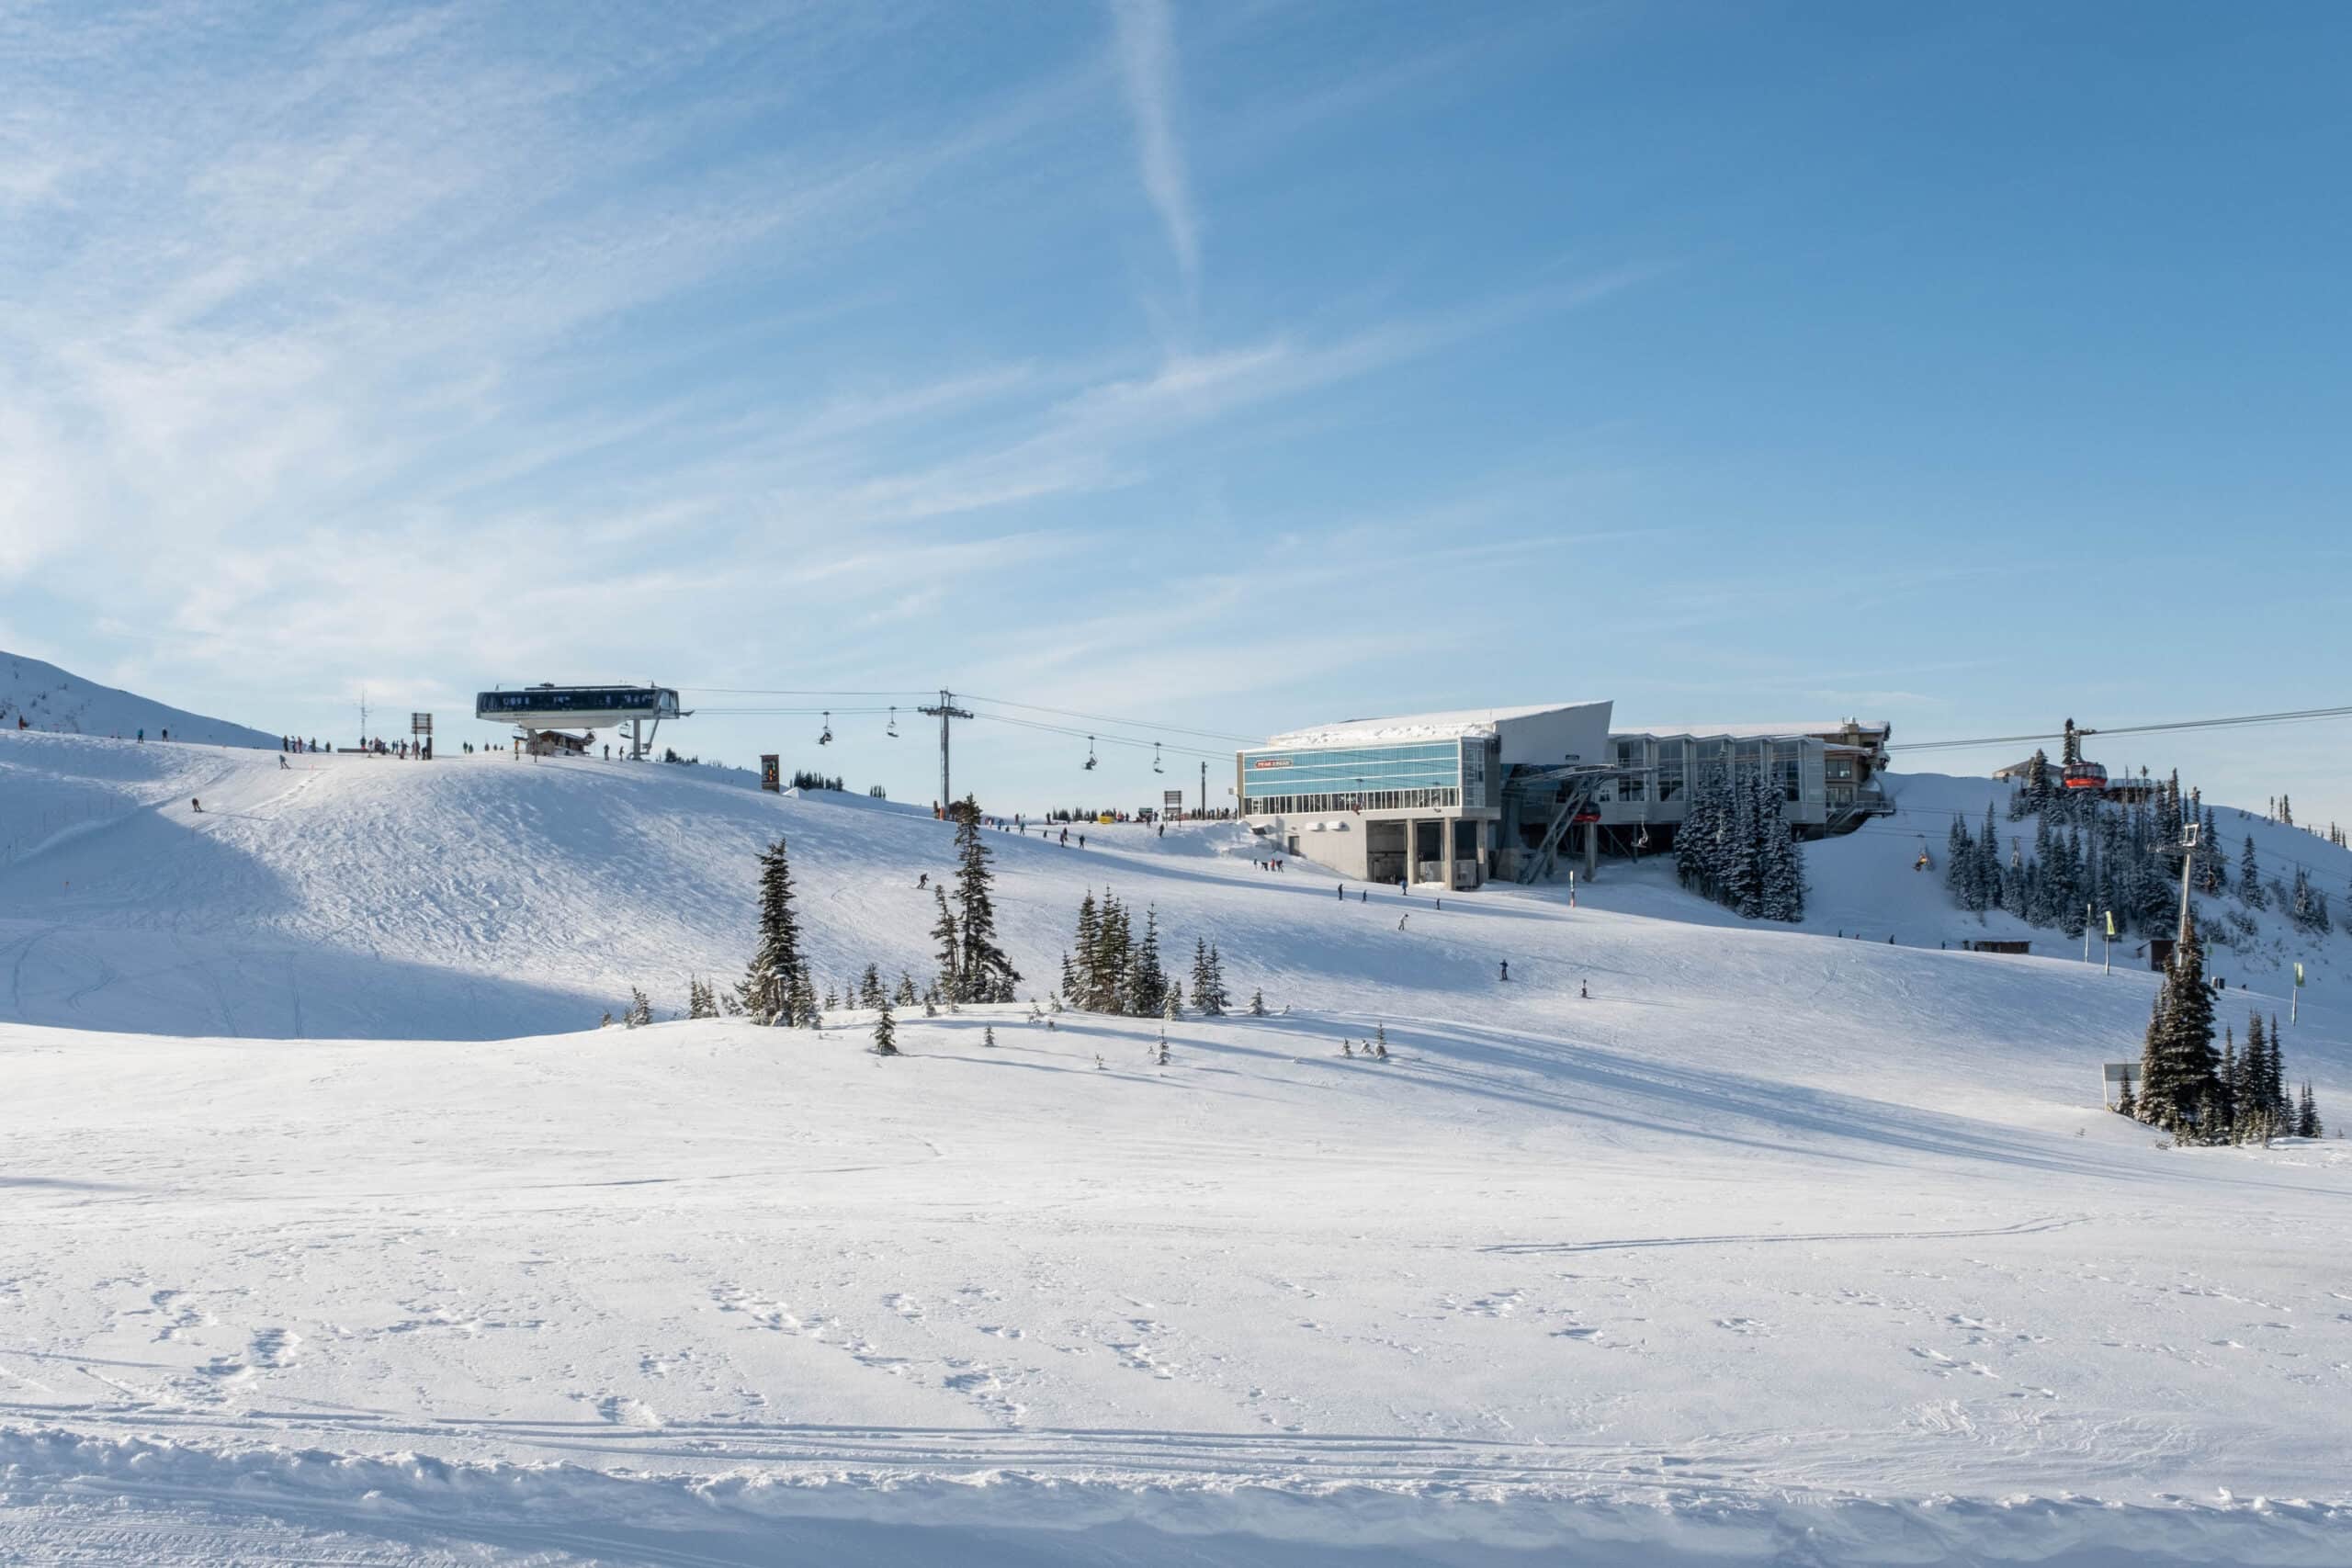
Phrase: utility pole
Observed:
(945, 710)
(1204, 787)
(363, 716)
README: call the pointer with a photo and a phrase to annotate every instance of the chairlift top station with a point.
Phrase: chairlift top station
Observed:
(547, 706)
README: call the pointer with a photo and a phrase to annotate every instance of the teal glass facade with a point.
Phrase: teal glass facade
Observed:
(1407, 774)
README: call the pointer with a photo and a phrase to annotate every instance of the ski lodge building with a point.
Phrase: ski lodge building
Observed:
(1454, 800)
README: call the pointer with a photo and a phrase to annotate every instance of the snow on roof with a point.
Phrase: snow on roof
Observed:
(1459, 725)
(1756, 731)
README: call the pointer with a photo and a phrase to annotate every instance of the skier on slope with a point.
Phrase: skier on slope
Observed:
(1402, 919)
(1506, 968)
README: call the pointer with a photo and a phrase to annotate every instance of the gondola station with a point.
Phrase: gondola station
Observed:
(1457, 799)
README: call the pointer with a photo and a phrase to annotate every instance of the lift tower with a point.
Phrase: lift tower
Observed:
(944, 711)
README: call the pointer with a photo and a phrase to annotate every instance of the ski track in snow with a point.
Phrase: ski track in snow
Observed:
(1779, 1247)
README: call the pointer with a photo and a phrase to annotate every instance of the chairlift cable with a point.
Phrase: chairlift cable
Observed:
(2234, 721)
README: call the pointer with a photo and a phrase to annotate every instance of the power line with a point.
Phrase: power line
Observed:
(1106, 740)
(2237, 721)
(795, 691)
(1128, 723)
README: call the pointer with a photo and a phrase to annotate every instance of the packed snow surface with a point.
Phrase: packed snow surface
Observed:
(338, 1232)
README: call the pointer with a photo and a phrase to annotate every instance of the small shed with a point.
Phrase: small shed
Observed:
(2160, 954)
(553, 743)
(1990, 944)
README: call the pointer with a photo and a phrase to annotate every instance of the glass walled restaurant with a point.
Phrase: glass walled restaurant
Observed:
(1417, 798)
(1411, 775)
(1456, 798)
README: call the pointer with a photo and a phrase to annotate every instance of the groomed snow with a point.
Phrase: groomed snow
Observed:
(1780, 1246)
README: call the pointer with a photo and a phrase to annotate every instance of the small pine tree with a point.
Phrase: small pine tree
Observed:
(802, 1002)
(984, 972)
(2307, 1122)
(832, 999)
(1379, 1035)
(1257, 1001)
(905, 994)
(2176, 1062)
(1171, 1006)
(640, 1011)
(2250, 878)
(869, 988)
(988, 1035)
(767, 980)
(885, 1031)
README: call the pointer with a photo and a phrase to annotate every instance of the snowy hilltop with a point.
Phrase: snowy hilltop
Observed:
(341, 1229)
(41, 696)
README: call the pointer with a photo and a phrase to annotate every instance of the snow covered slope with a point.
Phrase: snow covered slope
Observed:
(46, 697)
(1778, 1247)
(477, 898)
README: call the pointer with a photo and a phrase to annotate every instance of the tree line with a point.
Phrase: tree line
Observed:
(2202, 1096)
(1114, 968)
(2091, 855)
(1735, 846)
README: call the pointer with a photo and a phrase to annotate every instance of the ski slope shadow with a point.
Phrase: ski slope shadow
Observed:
(1737, 1110)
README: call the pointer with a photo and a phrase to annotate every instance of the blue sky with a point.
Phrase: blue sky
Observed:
(1229, 366)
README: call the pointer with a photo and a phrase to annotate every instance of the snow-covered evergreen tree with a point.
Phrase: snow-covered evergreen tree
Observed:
(983, 971)
(885, 1031)
(904, 995)
(869, 988)
(1779, 869)
(1145, 982)
(2250, 878)
(947, 946)
(767, 980)
(2176, 1061)
(1257, 1001)
(640, 1011)
(1078, 979)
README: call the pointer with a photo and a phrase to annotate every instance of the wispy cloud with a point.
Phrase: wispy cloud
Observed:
(1146, 44)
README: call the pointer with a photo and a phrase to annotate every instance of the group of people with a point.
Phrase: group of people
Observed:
(403, 750)
(296, 744)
